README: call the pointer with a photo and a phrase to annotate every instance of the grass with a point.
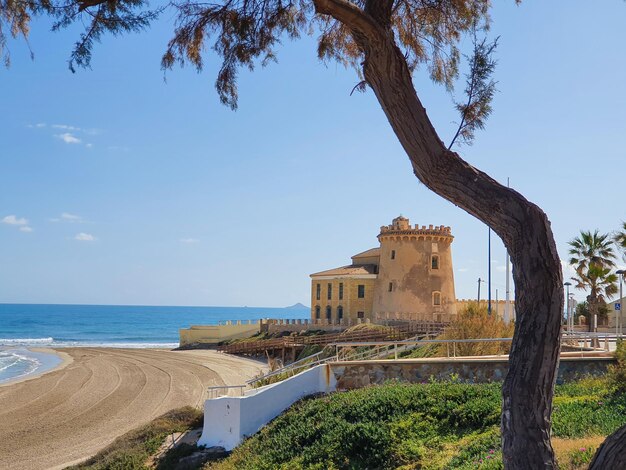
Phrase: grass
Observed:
(132, 450)
(425, 426)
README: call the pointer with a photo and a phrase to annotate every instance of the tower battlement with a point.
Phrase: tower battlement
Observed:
(401, 226)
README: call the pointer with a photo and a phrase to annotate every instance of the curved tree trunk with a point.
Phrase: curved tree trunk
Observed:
(524, 228)
(612, 452)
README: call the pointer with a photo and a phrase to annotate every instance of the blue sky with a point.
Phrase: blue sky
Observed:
(128, 189)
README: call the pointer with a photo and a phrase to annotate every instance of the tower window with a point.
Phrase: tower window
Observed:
(330, 291)
(434, 262)
(436, 299)
(393, 254)
(317, 312)
(391, 287)
(361, 291)
(318, 291)
(340, 312)
(328, 312)
(360, 314)
(341, 291)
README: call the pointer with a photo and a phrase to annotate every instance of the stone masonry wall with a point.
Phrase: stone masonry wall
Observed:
(357, 374)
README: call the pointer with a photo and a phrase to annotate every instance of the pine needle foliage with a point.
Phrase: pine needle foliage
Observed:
(480, 88)
(246, 33)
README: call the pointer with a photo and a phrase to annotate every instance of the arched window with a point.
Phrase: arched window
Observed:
(317, 312)
(340, 312)
(434, 262)
(328, 312)
(436, 299)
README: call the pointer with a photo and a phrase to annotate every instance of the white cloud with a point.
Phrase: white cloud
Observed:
(66, 127)
(68, 138)
(89, 146)
(189, 241)
(26, 228)
(84, 237)
(13, 220)
(70, 217)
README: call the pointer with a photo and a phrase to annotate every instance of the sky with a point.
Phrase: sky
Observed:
(122, 185)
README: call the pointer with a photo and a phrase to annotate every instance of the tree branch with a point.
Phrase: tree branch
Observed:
(350, 15)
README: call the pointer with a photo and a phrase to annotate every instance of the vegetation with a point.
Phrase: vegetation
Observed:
(617, 373)
(474, 321)
(427, 426)
(593, 258)
(620, 240)
(582, 310)
(386, 41)
(132, 450)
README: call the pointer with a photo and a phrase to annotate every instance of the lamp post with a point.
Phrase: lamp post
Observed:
(620, 273)
(567, 284)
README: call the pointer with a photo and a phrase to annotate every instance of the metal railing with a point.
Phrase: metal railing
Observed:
(344, 351)
(218, 390)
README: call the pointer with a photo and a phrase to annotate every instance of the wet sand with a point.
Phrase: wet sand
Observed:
(97, 394)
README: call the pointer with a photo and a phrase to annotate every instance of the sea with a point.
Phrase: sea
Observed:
(27, 326)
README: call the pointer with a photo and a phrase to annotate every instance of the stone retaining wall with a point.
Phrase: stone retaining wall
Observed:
(357, 374)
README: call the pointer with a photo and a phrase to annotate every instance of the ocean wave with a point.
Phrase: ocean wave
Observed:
(60, 343)
(23, 363)
(25, 341)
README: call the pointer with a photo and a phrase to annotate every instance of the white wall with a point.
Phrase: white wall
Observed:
(227, 420)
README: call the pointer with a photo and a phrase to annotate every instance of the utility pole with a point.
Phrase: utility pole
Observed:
(479, 281)
(507, 314)
(567, 302)
(489, 274)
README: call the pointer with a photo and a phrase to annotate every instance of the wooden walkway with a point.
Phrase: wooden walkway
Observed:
(294, 343)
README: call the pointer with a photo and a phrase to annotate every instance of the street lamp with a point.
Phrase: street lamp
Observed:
(620, 273)
(567, 284)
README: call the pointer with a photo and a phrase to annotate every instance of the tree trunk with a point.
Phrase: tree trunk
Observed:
(612, 452)
(529, 386)
(524, 228)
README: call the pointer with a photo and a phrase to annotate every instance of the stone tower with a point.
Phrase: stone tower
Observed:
(415, 278)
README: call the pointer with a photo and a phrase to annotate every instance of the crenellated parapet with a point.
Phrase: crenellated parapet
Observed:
(401, 229)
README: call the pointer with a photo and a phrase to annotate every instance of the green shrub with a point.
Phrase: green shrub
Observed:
(132, 450)
(617, 373)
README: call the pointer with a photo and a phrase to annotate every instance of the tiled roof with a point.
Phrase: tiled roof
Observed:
(368, 253)
(351, 270)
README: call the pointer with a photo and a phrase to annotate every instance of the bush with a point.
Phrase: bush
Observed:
(132, 450)
(617, 373)
(476, 322)
(426, 426)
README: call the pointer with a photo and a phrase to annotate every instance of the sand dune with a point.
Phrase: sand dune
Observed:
(69, 414)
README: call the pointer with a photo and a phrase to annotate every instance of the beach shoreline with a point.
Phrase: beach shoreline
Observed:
(64, 361)
(68, 414)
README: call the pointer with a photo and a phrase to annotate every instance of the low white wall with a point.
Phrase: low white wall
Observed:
(228, 420)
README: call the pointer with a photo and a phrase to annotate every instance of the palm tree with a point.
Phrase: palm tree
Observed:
(593, 259)
(591, 248)
(620, 240)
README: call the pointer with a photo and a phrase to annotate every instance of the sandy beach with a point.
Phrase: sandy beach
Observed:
(68, 414)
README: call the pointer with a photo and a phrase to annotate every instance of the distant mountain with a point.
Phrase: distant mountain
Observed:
(297, 306)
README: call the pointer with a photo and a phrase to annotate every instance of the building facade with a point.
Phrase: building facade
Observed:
(409, 276)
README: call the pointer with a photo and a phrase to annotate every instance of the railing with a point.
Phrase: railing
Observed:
(391, 333)
(381, 349)
(217, 390)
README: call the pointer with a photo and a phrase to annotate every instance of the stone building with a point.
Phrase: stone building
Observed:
(409, 276)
